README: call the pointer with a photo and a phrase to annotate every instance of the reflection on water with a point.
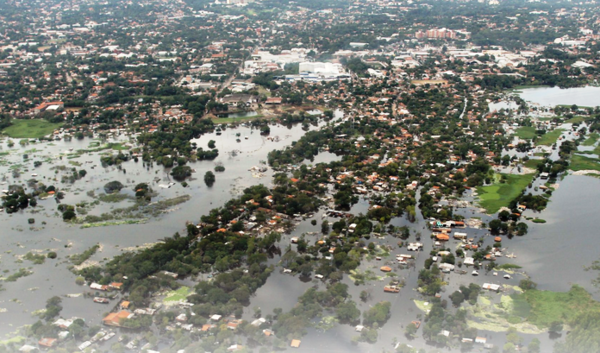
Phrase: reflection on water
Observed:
(551, 96)
(53, 277)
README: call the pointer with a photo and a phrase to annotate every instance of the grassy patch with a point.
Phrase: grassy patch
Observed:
(499, 317)
(22, 272)
(177, 295)
(498, 195)
(421, 305)
(37, 259)
(533, 163)
(30, 128)
(112, 223)
(547, 306)
(538, 220)
(78, 259)
(584, 163)
(13, 340)
(577, 120)
(549, 138)
(591, 140)
(508, 267)
(113, 197)
(363, 277)
(526, 132)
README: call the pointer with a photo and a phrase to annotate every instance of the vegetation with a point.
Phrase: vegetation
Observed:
(30, 128)
(579, 162)
(78, 259)
(37, 259)
(22, 272)
(526, 132)
(209, 178)
(547, 307)
(500, 194)
(550, 138)
(113, 186)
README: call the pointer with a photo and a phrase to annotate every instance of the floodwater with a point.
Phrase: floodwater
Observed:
(553, 254)
(588, 96)
(29, 293)
(241, 114)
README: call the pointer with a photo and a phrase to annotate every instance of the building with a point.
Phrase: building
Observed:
(441, 33)
(114, 319)
(48, 342)
(273, 100)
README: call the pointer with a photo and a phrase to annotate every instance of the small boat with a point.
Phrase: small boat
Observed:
(475, 273)
(507, 276)
(101, 300)
(246, 137)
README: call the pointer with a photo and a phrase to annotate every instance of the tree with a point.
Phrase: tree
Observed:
(69, 215)
(527, 284)
(209, 178)
(410, 331)
(556, 327)
(347, 312)
(364, 295)
(325, 227)
(113, 186)
(211, 144)
(379, 314)
(181, 172)
(534, 346)
(583, 337)
(457, 298)
(495, 226)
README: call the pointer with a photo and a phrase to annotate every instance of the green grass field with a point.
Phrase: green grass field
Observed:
(533, 163)
(549, 138)
(591, 140)
(526, 132)
(498, 195)
(178, 295)
(546, 306)
(584, 163)
(577, 120)
(30, 128)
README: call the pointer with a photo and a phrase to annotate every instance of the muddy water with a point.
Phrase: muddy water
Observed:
(29, 293)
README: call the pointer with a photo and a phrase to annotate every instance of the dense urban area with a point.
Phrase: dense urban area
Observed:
(314, 176)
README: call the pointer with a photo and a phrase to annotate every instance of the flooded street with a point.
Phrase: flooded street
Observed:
(19, 299)
(553, 254)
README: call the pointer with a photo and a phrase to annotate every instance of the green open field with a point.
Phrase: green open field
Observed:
(584, 163)
(533, 163)
(526, 132)
(531, 311)
(549, 138)
(546, 306)
(498, 195)
(577, 119)
(591, 140)
(30, 128)
(178, 295)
